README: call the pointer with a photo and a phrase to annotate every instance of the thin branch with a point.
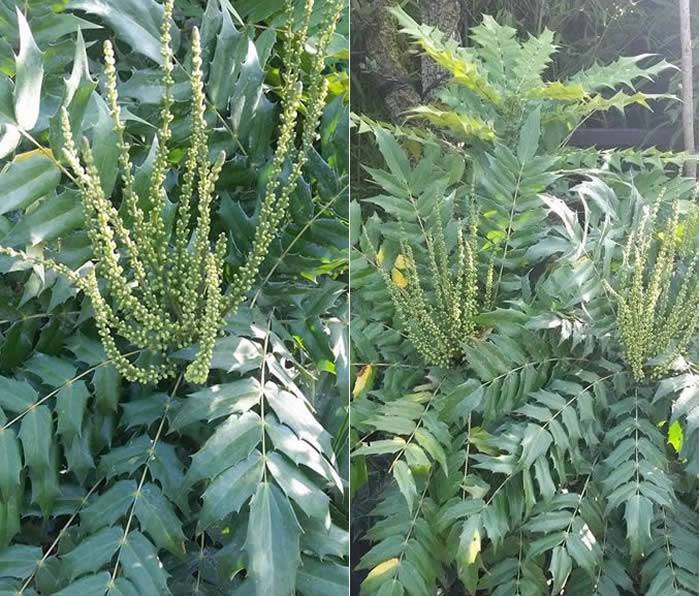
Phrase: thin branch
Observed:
(60, 535)
(58, 389)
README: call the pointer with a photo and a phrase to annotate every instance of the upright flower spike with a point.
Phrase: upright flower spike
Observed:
(128, 193)
(657, 295)
(155, 292)
(438, 304)
(277, 193)
(156, 193)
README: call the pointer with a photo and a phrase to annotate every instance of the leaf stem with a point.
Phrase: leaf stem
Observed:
(60, 535)
(285, 252)
(58, 389)
(466, 457)
(509, 232)
(544, 426)
(414, 519)
(150, 453)
(261, 398)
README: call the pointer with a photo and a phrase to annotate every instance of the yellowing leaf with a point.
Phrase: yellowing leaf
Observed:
(462, 126)
(619, 101)
(339, 84)
(380, 256)
(481, 440)
(362, 380)
(414, 148)
(29, 154)
(559, 91)
(675, 435)
(383, 568)
(474, 547)
(469, 543)
(401, 262)
(457, 61)
(399, 279)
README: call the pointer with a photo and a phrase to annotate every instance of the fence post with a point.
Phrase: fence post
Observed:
(687, 86)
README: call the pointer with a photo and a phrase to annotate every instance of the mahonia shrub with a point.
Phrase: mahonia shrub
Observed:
(175, 215)
(494, 84)
(557, 453)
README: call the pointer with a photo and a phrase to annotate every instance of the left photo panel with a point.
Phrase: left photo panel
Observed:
(174, 376)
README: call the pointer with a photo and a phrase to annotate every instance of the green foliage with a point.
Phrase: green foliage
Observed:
(600, 33)
(178, 297)
(497, 82)
(111, 486)
(538, 462)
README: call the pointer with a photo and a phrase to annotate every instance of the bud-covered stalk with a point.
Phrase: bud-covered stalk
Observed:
(438, 302)
(657, 294)
(158, 293)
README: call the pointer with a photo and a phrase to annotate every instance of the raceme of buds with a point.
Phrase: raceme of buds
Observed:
(154, 289)
(657, 294)
(437, 307)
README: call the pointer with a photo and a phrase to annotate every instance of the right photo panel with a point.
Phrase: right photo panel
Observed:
(524, 298)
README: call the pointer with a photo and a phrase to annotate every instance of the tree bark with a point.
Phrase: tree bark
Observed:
(382, 48)
(446, 15)
(688, 117)
(386, 56)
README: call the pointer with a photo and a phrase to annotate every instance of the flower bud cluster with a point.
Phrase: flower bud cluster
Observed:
(278, 191)
(437, 309)
(657, 295)
(158, 291)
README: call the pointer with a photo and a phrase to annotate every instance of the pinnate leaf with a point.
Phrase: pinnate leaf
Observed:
(638, 516)
(92, 553)
(272, 542)
(110, 506)
(10, 463)
(158, 519)
(29, 66)
(216, 401)
(28, 178)
(142, 567)
(231, 442)
(407, 485)
(229, 491)
(298, 487)
(90, 585)
(35, 433)
(16, 396)
(19, 560)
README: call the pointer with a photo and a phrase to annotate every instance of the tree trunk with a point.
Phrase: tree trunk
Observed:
(386, 56)
(382, 48)
(687, 86)
(446, 15)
